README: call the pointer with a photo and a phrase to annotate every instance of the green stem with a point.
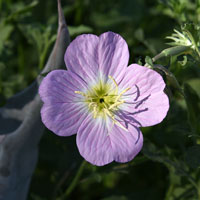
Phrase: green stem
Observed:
(198, 52)
(74, 181)
(198, 191)
(169, 191)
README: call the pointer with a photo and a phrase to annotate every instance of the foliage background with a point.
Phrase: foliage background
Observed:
(168, 166)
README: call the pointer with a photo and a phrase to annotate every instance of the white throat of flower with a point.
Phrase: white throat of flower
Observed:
(104, 101)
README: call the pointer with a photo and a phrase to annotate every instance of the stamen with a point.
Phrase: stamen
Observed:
(116, 104)
(109, 114)
(95, 111)
(124, 91)
(82, 93)
(89, 98)
(90, 104)
(114, 120)
(105, 105)
(118, 124)
(110, 77)
(121, 93)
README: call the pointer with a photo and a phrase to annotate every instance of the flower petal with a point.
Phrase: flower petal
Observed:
(113, 55)
(126, 144)
(81, 56)
(146, 102)
(63, 110)
(100, 142)
(93, 141)
(90, 56)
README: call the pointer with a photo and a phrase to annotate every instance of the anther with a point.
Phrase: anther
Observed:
(82, 93)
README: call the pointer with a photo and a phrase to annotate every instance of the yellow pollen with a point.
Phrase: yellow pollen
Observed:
(95, 112)
(82, 93)
(116, 86)
(103, 100)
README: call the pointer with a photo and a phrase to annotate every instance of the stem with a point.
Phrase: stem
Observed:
(74, 181)
(198, 191)
(169, 191)
(197, 50)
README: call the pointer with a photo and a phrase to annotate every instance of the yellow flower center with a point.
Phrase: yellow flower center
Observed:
(103, 100)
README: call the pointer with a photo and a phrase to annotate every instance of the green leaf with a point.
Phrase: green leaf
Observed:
(193, 106)
(193, 156)
(114, 197)
(5, 31)
(41, 37)
(76, 30)
(22, 9)
(175, 166)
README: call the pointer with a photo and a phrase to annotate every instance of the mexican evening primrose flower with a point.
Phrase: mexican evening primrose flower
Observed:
(102, 100)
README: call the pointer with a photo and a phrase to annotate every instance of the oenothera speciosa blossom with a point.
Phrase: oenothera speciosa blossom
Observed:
(102, 99)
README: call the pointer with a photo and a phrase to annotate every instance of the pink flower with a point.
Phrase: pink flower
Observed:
(102, 100)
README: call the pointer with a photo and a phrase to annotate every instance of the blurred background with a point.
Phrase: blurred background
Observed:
(168, 166)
